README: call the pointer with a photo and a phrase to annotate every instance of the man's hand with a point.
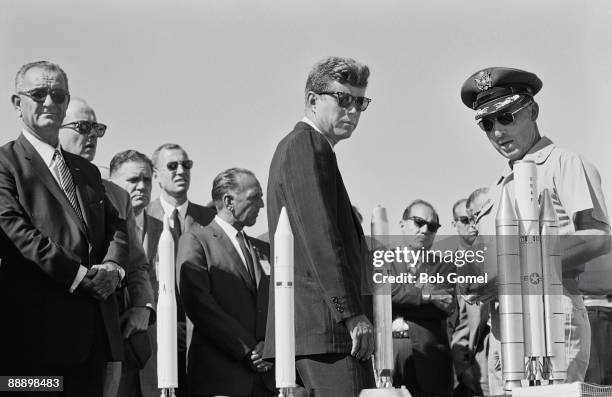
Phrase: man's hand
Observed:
(362, 334)
(133, 320)
(443, 302)
(101, 280)
(255, 360)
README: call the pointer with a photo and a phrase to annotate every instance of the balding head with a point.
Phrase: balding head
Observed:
(72, 137)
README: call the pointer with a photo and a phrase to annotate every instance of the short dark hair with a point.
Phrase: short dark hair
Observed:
(474, 194)
(227, 181)
(342, 70)
(126, 156)
(165, 146)
(457, 204)
(406, 213)
(38, 64)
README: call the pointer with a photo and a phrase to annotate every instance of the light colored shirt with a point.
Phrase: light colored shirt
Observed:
(169, 209)
(312, 124)
(230, 231)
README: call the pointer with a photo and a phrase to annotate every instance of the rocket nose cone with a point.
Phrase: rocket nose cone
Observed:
(379, 214)
(547, 210)
(505, 211)
(283, 226)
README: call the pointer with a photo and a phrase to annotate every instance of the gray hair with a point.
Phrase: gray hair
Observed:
(46, 65)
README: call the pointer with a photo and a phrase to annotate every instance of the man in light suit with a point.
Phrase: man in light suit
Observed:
(223, 281)
(334, 337)
(79, 135)
(63, 245)
(172, 171)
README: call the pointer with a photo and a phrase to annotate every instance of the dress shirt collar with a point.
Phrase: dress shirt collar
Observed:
(44, 150)
(312, 124)
(539, 153)
(230, 230)
(169, 208)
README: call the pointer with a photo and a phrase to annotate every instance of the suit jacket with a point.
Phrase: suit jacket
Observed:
(196, 215)
(138, 291)
(329, 246)
(43, 244)
(228, 309)
(467, 342)
(427, 327)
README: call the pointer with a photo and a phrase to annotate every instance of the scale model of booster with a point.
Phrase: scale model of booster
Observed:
(167, 354)
(529, 280)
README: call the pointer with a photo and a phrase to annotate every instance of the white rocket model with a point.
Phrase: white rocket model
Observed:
(530, 289)
(167, 364)
(284, 320)
(383, 353)
(510, 299)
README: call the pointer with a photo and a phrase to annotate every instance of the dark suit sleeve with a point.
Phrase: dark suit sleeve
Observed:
(460, 348)
(310, 180)
(116, 233)
(53, 259)
(138, 283)
(207, 316)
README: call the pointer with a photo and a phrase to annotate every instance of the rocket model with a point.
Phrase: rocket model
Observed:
(383, 353)
(530, 289)
(510, 299)
(167, 365)
(284, 321)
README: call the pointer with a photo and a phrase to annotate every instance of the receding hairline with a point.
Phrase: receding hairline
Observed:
(43, 65)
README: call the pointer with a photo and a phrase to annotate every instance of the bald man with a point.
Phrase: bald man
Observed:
(79, 135)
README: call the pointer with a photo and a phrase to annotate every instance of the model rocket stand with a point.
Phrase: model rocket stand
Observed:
(531, 317)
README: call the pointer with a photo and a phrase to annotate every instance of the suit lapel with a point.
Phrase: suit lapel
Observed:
(256, 264)
(82, 195)
(44, 174)
(227, 245)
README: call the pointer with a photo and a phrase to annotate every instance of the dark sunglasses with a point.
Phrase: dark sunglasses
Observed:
(40, 94)
(420, 222)
(487, 123)
(85, 127)
(346, 100)
(466, 220)
(173, 165)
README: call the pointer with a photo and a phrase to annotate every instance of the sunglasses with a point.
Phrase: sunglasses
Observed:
(466, 220)
(84, 127)
(420, 222)
(487, 123)
(346, 100)
(173, 165)
(40, 94)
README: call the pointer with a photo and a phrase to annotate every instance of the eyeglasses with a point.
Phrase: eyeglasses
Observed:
(487, 123)
(346, 100)
(466, 220)
(420, 222)
(84, 127)
(173, 165)
(40, 94)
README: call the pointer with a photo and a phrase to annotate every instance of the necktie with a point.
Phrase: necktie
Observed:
(66, 182)
(247, 255)
(176, 228)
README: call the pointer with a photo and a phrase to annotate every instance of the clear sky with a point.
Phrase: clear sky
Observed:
(225, 80)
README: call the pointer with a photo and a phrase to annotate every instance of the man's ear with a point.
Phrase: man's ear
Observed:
(228, 201)
(16, 101)
(311, 99)
(535, 111)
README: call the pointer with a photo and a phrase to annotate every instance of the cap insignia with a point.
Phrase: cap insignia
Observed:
(483, 80)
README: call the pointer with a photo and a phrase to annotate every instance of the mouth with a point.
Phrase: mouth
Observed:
(506, 144)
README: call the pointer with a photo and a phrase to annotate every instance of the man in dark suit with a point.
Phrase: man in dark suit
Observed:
(172, 171)
(133, 171)
(223, 279)
(334, 337)
(79, 135)
(423, 361)
(63, 245)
